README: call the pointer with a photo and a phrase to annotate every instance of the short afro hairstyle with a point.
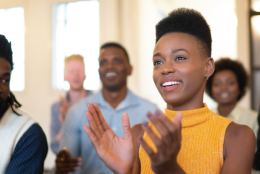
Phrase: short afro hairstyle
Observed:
(237, 68)
(6, 50)
(187, 21)
(114, 44)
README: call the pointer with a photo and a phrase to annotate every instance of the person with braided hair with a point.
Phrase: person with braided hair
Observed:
(23, 143)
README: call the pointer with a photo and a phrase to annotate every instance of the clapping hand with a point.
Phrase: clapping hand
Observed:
(117, 153)
(168, 146)
(63, 109)
(65, 163)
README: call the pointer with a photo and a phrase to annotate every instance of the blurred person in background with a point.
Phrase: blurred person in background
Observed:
(227, 86)
(114, 99)
(74, 74)
(23, 146)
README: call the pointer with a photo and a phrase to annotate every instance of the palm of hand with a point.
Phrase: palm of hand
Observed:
(115, 150)
(117, 153)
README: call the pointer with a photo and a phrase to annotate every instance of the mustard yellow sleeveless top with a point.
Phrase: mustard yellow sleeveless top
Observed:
(203, 134)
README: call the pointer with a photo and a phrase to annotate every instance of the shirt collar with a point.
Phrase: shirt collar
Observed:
(129, 100)
(235, 113)
(68, 96)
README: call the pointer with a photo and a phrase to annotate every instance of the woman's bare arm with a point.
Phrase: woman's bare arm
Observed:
(239, 149)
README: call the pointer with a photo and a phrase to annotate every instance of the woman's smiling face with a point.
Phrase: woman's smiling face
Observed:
(180, 70)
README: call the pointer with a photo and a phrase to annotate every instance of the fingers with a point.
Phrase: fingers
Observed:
(96, 118)
(156, 140)
(101, 118)
(126, 126)
(146, 148)
(168, 130)
(92, 137)
(174, 128)
(93, 125)
(177, 120)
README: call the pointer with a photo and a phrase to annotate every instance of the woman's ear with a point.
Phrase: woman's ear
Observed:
(210, 67)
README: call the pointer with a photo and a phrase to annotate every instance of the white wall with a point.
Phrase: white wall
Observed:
(131, 22)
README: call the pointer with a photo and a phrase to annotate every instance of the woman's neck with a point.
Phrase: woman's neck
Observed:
(225, 109)
(195, 103)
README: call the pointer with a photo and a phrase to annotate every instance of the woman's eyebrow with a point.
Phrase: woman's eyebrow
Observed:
(157, 54)
(176, 50)
(6, 74)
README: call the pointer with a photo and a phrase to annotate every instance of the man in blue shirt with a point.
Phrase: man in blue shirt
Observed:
(113, 99)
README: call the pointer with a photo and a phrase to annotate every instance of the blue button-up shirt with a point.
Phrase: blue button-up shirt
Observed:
(77, 141)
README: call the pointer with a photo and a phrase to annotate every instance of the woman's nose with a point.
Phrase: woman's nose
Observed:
(167, 68)
(223, 86)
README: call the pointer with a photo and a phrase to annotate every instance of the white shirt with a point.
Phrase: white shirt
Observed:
(242, 116)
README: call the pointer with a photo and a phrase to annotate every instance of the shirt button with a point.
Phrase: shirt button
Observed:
(114, 128)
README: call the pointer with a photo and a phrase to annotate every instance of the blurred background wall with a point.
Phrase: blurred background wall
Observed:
(130, 22)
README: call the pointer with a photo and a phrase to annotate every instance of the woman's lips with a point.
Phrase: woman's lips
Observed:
(170, 85)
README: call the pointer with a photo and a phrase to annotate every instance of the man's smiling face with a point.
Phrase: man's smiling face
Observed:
(113, 68)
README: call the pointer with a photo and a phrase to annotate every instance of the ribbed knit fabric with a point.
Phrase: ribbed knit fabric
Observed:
(203, 134)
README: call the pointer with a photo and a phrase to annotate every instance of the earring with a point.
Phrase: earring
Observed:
(207, 78)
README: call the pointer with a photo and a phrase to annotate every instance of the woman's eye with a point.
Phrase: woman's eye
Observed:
(157, 63)
(216, 84)
(231, 83)
(180, 58)
(117, 61)
(6, 80)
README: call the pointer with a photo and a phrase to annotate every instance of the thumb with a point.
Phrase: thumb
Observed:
(126, 126)
(177, 120)
(67, 153)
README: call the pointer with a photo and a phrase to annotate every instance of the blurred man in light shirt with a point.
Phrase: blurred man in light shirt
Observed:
(74, 73)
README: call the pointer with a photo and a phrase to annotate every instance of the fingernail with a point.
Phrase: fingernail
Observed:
(149, 115)
(145, 124)
(158, 113)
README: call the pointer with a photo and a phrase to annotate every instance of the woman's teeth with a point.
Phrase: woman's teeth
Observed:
(224, 95)
(170, 83)
(111, 74)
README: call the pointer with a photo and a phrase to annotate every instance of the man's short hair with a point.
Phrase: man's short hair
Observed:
(114, 44)
(6, 50)
(237, 68)
(74, 57)
(187, 21)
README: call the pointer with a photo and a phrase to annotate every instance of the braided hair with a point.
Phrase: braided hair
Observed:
(7, 54)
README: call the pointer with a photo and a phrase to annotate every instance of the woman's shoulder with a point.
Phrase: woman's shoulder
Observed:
(239, 137)
(239, 149)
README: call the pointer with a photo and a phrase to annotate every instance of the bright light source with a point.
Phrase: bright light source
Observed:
(12, 26)
(257, 6)
(256, 23)
(76, 31)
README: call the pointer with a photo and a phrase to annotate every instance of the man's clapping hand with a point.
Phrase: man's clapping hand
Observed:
(65, 163)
